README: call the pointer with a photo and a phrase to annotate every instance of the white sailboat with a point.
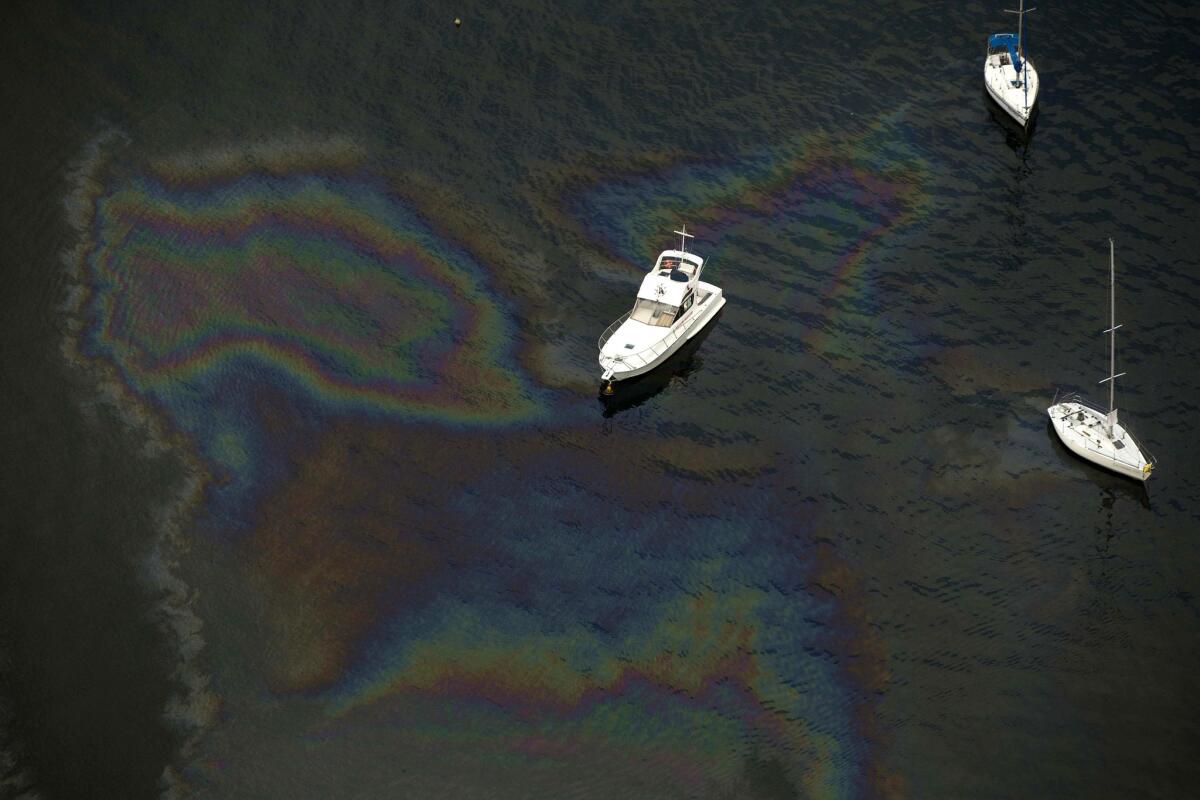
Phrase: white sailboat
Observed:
(672, 306)
(1008, 75)
(1093, 432)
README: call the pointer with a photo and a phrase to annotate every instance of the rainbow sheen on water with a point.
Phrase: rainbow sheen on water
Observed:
(202, 292)
(351, 385)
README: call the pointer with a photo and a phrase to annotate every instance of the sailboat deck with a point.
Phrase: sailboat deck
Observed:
(1082, 427)
(999, 78)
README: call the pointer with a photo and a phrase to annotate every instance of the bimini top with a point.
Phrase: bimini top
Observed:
(1009, 41)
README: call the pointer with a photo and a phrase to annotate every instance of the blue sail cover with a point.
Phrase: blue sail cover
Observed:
(1010, 41)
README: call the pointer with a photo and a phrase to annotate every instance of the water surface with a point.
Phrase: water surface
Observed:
(313, 495)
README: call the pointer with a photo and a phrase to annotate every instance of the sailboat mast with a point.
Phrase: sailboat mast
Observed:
(1021, 50)
(1020, 12)
(1023, 75)
(1020, 32)
(1112, 324)
(1111, 380)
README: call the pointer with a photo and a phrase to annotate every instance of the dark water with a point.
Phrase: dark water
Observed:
(308, 491)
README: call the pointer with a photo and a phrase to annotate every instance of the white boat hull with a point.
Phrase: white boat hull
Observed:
(623, 368)
(998, 77)
(1082, 430)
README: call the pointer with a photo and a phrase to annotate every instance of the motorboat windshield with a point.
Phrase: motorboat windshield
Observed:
(651, 312)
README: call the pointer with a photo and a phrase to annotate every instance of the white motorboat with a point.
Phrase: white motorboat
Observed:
(1009, 77)
(672, 306)
(1092, 432)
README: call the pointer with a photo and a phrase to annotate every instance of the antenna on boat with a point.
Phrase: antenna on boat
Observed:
(1111, 380)
(684, 236)
(1021, 45)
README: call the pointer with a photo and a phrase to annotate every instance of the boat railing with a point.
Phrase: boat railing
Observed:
(646, 355)
(1146, 454)
(649, 354)
(611, 329)
(1149, 459)
(1075, 397)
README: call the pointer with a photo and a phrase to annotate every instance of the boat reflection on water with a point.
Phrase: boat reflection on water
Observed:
(1017, 137)
(1111, 483)
(681, 365)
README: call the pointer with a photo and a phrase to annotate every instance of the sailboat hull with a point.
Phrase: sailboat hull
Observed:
(1018, 102)
(1082, 430)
